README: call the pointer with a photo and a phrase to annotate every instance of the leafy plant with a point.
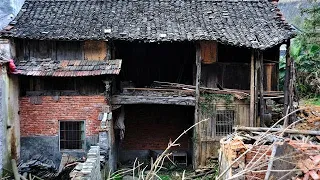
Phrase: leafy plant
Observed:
(208, 101)
(305, 50)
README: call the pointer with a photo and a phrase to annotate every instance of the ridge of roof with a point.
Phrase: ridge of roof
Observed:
(248, 23)
(149, 0)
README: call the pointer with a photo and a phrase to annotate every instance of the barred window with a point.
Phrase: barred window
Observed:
(224, 122)
(72, 135)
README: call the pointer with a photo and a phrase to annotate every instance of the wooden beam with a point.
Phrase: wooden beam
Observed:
(112, 152)
(290, 131)
(196, 134)
(261, 88)
(286, 85)
(252, 90)
(125, 99)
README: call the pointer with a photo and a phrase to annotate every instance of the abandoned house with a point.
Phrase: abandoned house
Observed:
(133, 75)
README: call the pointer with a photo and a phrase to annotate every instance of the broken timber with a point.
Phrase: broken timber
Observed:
(290, 131)
(196, 134)
(123, 99)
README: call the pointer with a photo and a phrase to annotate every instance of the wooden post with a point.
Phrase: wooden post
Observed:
(287, 85)
(252, 91)
(196, 141)
(112, 151)
(15, 169)
(261, 89)
(54, 50)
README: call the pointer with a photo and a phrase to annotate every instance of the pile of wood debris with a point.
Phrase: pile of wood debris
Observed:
(275, 152)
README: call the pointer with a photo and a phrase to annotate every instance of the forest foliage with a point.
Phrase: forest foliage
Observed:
(305, 51)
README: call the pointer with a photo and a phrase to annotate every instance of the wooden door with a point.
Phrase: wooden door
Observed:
(221, 119)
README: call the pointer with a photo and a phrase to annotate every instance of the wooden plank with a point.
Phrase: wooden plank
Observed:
(209, 127)
(54, 50)
(203, 153)
(208, 154)
(112, 152)
(158, 89)
(69, 50)
(290, 131)
(95, 50)
(196, 151)
(210, 74)
(44, 49)
(243, 114)
(208, 50)
(26, 50)
(123, 99)
(268, 75)
(256, 122)
(252, 89)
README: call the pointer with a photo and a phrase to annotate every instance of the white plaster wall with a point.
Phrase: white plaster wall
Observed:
(9, 112)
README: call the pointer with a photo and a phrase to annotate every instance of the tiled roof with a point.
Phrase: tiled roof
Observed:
(248, 23)
(68, 68)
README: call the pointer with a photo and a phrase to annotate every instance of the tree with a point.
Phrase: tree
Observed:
(305, 50)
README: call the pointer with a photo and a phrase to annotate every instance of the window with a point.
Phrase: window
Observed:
(224, 122)
(72, 134)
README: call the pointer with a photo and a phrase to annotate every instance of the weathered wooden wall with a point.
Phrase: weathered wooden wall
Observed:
(232, 67)
(209, 51)
(209, 141)
(61, 50)
(95, 50)
(237, 75)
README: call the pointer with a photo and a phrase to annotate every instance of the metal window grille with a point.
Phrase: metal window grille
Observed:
(71, 134)
(224, 122)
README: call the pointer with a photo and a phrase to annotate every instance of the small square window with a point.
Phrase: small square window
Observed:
(224, 122)
(72, 135)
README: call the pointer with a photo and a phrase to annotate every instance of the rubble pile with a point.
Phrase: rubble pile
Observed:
(39, 166)
(275, 152)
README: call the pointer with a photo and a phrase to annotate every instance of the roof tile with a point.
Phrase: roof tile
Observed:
(69, 68)
(248, 23)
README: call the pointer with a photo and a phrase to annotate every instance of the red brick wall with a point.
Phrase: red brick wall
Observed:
(151, 126)
(43, 119)
(255, 154)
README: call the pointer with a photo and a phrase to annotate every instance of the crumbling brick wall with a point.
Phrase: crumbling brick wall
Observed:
(254, 159)
(90, 169)
(257, 157)
(40, 115)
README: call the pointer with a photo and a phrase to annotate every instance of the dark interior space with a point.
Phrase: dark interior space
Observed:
(143, 63)
(233, 54)
(149, 128)
(61, 85)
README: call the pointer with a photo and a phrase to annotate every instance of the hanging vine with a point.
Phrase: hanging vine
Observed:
(208, 102)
